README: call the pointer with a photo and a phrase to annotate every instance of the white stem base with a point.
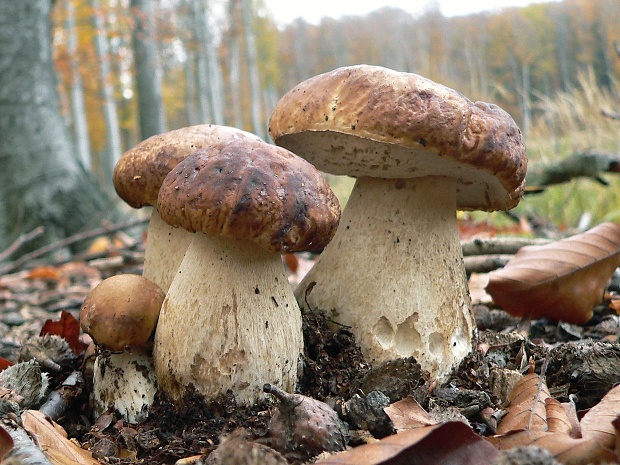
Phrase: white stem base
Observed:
(394, 273)
(165, 249)
(229, 321)
(124, 382)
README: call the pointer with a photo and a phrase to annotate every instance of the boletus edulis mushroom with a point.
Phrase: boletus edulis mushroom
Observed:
(420, 151)
(230, 319)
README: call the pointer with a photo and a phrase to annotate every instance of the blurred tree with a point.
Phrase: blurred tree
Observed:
(148, 72)
(41, 181)
(113, 148)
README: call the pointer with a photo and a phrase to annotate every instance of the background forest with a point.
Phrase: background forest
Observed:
(127, 69)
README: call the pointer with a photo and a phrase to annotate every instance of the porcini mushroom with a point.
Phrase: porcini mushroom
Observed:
(120, 314)
(230, 319)
(138, 176)
(394, 272)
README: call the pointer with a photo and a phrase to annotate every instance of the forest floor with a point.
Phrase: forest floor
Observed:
(580, 363)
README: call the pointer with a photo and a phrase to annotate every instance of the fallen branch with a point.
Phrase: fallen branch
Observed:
(610, 114)
(21, 240)
(21, 261)
(589, 164)
(485, 263)
(498, 245)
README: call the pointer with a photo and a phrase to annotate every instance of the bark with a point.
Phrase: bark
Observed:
(78, 107)
(41, 183)
(148, 70)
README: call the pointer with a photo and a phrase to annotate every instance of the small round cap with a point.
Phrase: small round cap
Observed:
(372, 121)
(140, 171)
(122, 311)
(251, 190)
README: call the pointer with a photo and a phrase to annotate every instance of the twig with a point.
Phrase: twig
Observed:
(10, 267)
(610, 114)
(498, 245)
(21, 240)
(485, 263)
(59, 401)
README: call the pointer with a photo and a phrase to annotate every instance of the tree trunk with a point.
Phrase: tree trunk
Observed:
(41, 182)
(78, 108)
(208, 67)
(250, 47)
(148, 70)
(113, 137)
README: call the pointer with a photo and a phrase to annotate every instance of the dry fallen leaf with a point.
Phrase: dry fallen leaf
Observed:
(6, 443)
(408, 414)
(537, 419)
(52, 439)
(68, 327)
(559, 281)
(450, 443)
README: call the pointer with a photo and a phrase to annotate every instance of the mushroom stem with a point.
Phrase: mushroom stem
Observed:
(165, 248)
(229, 321)
(397, 256)
(124, 382)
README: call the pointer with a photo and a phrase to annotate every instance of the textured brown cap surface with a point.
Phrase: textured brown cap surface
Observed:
(141, 170)
(251, 190)
(122, 311)
(372, 121)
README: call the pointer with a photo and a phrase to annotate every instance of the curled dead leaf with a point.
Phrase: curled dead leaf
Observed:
(559, 281)
(450, 443)
(537, 419)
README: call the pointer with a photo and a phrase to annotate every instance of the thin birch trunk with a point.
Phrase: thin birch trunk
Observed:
(215, 74)
(201, 65)
(254, 76)
(148, 70)
(113, 137)
(78, 106)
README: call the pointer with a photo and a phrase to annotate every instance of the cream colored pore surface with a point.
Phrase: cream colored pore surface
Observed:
(337, 153)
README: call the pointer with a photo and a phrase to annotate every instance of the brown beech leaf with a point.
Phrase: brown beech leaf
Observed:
(527, 406)
(52, 439)
(450, 443)
(559, 281)
(552, 427)
(408, 414)
(6, 443)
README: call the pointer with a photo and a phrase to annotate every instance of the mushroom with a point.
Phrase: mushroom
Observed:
(138, 176)
(230, 319)
(120, 314)
(394, 271)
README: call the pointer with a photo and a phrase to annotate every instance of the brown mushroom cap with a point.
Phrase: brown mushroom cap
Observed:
(141, 170)
(372, 121)
(251, 190)
(122, 311)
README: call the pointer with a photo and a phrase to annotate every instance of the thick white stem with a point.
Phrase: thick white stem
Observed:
(394, 273)
(229, 321)
(124, 382)
(165, 248)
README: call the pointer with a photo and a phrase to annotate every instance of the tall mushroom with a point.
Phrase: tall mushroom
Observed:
(230, 319)
(120, 314)
(394, 272)
(138, 176)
